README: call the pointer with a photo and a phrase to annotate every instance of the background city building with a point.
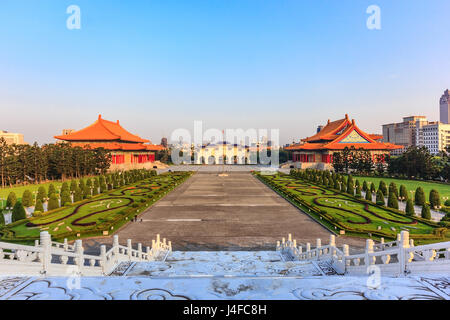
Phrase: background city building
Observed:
(435, 136)
(12, 138)
(404, 133)
(445, 107)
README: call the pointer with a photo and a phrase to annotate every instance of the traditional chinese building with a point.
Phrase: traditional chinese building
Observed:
(128, 151)
(317, 151)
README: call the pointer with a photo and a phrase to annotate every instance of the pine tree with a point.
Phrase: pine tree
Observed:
(51, 189)
(53, 202)
(39, 207)
(18, 212)
(435, 199)
(380, 198)
(426, 214)
(11, 200)
(65, 198)
(392, 200)
(383, 188)
(2, 219)
(403, 193)
(27, 198)
(409, 210)
(42, 193)
(372, 188)
(419, 197)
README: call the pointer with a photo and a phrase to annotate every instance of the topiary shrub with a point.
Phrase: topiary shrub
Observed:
(403, 193)
(53, 202)
(409, 210)
(27, 198)
(380, 198)
(419, 197)
(426, 214)
(392, 200)
(382, 186)
(11, 200)
(435, 199)
(39, 206)
(18, 212)
(368, 195)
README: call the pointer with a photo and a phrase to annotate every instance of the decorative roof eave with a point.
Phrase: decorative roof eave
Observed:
(330, 130)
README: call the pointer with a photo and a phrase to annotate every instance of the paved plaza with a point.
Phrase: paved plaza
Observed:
(212, 211)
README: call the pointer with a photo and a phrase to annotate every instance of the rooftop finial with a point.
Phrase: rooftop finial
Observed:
(99, 116)
(353, 121)
(328, 121)
(117, 121)
(346, 116)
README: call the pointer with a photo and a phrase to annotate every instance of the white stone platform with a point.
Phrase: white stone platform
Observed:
(253, 275)
(216, 288)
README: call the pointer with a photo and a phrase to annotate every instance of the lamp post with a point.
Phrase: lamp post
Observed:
(35, 197)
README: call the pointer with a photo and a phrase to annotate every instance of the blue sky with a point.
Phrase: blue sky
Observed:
(160, 65)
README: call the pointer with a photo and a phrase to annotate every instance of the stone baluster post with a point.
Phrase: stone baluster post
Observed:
(66, 244)
(170, 246)
(140, 251)
(403, 256)
(129, 249)
(149, 255)
(346, 251)
(103, 259)
(79, 252)
(278, 245)
(332, 244)
(411, 243)
(36, 243)
(290, 237)
(398, 238)
(369, 249)
(116, 245)
(308, 250)
(46, 244)
(318, 248)
(158, 241)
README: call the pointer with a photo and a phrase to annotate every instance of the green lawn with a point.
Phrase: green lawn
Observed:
(105, 212)
(411, 185)
(341, 212)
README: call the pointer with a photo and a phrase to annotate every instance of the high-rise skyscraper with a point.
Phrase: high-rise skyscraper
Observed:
(445, 107)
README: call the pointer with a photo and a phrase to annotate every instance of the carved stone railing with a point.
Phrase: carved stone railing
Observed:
(397, 258)
(61, 259)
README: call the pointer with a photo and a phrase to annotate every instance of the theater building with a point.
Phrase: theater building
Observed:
(128, 151)
(317, 151)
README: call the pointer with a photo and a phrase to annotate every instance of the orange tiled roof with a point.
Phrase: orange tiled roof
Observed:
(330, 131)
(340, 134)
(102, 130)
